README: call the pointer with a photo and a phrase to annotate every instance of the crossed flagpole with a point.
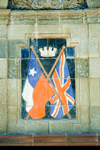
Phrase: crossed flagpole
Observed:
(48, 78)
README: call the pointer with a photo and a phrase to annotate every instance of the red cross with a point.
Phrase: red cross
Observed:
(61, 90)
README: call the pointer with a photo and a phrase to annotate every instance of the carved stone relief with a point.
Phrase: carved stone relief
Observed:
(46, 4)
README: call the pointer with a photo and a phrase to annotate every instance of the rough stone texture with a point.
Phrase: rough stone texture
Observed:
(12, 92)
(94, 51)
(12, 48)
(3, 45)
(82, 68)
(3, 32)
(94, 67)
(3, 119)
(3, 68)
(94, 92)
(3, 92)
(18, 31)
(84, 92)
(14, 69)
(95, 118)
(93, 4)
(3, 4)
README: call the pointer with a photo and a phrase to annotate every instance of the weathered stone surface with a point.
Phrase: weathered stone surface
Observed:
(3, 4)
(93, 4)
(14, 69)
(36, 128)
(64, 128)
(3, 31)
(18, 31)
(95, 111)
(93, 29)
(3, 92)
(94, 92)
(82, 68)
(12, 48)
(3, 119)
(84, 92)
(3, 51)
(94, 51)
(84, 47)
(84, 118)
(94, 67)
(12, 92)
(3, 68)
(77, 30)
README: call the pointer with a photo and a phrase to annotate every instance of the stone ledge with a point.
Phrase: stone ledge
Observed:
(51, 140)
(49, 16)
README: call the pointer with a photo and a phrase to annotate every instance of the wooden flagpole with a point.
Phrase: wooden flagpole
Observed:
(48, 77)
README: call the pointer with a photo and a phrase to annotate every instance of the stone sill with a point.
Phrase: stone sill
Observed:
(51, 140)
(49, 16)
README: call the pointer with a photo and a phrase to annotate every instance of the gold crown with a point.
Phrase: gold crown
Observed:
(48, 53)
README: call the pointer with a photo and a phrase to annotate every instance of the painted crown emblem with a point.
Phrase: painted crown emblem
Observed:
(51, 52)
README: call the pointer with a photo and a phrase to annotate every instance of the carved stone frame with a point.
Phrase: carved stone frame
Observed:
(80, 124)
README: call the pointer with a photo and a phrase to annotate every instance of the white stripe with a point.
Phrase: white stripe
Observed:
(55, 108)
(68, 99)
(27, 95)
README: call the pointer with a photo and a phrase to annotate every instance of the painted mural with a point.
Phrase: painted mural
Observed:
(48, 80)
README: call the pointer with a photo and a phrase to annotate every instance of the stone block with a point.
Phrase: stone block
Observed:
(94, 92)
(84, 92)
(77, 30)
(77, 69)
(99, 46)
(84, 118)
(94, 67)
(95, 125)
(3, 31)
(49, 29)
(94, 112)
(61, 128)
(12, 120)
(3, 119)
(36, 128)
(82, 68)
(93, 4)
(12, 48)
(93, 29)
(3, 4)
(84, 47)
(3, 68)
(94, 47)
(77, 93)
(12, 92)
(14, 69)
(19, 31)
(76, 128)
(3, 91)
(3, 52)
(13, 127)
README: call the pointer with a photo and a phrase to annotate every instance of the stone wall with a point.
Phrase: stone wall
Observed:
(81, 28)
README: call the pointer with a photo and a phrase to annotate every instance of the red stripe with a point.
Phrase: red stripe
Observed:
(70, 98)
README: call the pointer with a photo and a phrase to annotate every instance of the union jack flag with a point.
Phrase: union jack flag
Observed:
(62, 83)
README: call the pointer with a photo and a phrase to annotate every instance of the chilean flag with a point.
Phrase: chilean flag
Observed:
(37, 91)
